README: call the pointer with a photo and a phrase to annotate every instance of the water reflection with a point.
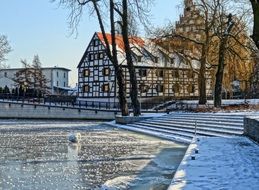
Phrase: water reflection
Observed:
(105, 157)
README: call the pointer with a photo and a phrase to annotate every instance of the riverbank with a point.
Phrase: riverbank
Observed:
(221, 163)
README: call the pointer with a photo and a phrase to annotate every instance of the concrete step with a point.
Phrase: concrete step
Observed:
(213, 117)
(218, 124)
(208, 131)
(157, 133)
(183, 134)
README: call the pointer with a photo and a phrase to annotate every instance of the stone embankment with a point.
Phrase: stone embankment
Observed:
(14, 110)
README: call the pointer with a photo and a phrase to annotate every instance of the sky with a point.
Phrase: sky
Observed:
(39, 27)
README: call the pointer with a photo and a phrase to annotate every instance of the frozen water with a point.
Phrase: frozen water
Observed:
(37, 155)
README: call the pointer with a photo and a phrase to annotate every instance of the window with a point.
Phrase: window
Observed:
(64, 84)
(100, 55)
(143, 88)
(142, 72)
(96, 42)
(91, 57)
(190, 74)
(175, 74)
(57, 83)
(160, 73)
(106, 71)
(159, 88)
(64, 75)
(57, 73)
(156, 59)
(5, 74)
(86, 88)
(172, 60)
(105, 88)
(96, 56)
(191, 88)
(139, 58)
(86, 72)
(176, 88)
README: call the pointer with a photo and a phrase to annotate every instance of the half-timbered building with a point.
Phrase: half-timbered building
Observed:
(159, 74)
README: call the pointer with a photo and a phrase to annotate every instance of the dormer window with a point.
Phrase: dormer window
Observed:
(172, 60)
(156, 59)
(139, 58)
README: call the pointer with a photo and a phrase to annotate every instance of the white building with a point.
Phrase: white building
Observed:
(57, 78)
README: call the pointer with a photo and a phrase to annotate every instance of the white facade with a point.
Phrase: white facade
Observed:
(57, 77)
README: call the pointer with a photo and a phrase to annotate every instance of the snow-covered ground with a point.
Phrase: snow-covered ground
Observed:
(221, 163)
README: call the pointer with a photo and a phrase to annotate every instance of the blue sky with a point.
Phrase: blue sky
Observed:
(40, 27)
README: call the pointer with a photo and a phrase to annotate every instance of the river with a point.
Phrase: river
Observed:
(35, 154)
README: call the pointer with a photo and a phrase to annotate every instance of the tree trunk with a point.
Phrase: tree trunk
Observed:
(114, 60)
(131, 68)
(202, 77)
(118, 69)
(220, 73)
(221, 64)
(255, 6)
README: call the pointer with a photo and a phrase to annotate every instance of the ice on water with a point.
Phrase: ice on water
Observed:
(38, 155)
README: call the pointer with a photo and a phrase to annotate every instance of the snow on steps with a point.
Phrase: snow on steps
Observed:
(181, 126)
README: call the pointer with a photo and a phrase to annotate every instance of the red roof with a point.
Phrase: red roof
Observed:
(119, 40)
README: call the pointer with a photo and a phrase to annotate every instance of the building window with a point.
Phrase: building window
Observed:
(159, 88)
(96, 42)
(64, 75)
(172, 60)
(86, 72)
(57, 73)
(105, 88)
(143, 88)
(156, 59)
(142, 72)
(5, 74)
(64, 84)
(57, 83)
(190, 74)
(176, 88)
(191, 88)
(100, 55)
(139, 58)
(106, 71)
(96, 56)
(175, 74)
(91, 57)
(86, 88)
(159, 73)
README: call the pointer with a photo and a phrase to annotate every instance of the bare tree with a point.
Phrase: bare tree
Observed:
(255, 7)
(5, 48)
(76, 8)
